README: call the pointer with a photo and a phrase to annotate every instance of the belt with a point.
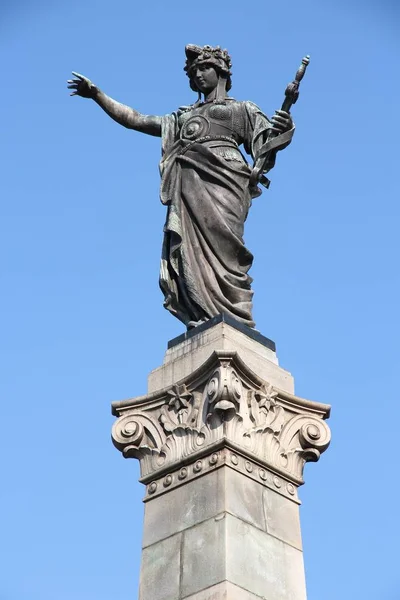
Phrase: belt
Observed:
(208, 138)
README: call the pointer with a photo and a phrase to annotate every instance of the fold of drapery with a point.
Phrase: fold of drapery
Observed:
(204, 262)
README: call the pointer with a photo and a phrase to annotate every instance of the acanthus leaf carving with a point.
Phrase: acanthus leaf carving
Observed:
(265, 411)
(223, 404)
(180, 409)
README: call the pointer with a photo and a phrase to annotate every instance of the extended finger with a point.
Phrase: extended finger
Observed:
(74, 80)
(82, 77)
(73, 86)
(74, 94)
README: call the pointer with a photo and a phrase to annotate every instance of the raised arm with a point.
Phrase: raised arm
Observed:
(122, 114)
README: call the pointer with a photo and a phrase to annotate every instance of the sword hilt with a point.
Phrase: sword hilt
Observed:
(291, 96)
(292, 90)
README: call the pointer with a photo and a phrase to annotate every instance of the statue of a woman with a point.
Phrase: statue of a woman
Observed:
(205, 185)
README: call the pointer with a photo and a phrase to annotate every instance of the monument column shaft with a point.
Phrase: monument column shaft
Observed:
(222, 534)
(222, 442)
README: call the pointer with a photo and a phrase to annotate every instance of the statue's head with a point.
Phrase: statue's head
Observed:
(213, 62)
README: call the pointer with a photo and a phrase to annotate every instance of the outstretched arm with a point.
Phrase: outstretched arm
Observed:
(122, 114)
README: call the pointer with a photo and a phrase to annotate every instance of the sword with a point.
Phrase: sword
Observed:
(291, 96)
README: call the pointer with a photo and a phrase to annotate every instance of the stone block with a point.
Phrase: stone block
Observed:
(203, 556)
(221, 514)
(262, 564)
(187, 356)
(224, 489)
(183, 507)
(200, 562)
(282, 518)
(244, 498)
(224, 591)
(160, 570)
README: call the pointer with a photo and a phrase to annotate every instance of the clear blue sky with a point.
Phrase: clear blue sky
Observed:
(82, 316)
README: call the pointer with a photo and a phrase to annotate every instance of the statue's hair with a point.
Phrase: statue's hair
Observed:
(217, 58)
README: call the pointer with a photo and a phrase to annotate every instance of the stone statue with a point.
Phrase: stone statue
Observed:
(206, 184)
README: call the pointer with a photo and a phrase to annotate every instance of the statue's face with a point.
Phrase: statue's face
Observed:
(205, 77)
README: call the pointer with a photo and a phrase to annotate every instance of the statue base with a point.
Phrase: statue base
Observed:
(190, 350)
(222, 443)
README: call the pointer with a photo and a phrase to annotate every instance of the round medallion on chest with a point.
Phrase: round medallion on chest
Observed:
(195, 127)
(220, 112)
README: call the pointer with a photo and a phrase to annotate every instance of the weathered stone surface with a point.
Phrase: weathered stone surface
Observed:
(204, 555)
(222, 403)
(263, 508)
(262, 564)
(222, 453)
(224, 489)
(222, 548)
(224, 591)
(244, 498)
(201, 466)
(160, 570)
(183, 507)
(282, 518)
(184, 358)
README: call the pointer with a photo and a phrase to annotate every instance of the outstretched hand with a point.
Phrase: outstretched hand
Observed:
(281, 121)
(82, 86)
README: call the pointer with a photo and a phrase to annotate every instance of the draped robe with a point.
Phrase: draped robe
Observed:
(205, 185)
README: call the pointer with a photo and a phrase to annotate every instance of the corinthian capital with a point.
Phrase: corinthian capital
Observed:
(222, 405)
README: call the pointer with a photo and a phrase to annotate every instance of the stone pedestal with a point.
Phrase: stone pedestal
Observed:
(222, 443)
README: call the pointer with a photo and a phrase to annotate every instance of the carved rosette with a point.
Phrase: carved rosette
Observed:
(222, 405)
